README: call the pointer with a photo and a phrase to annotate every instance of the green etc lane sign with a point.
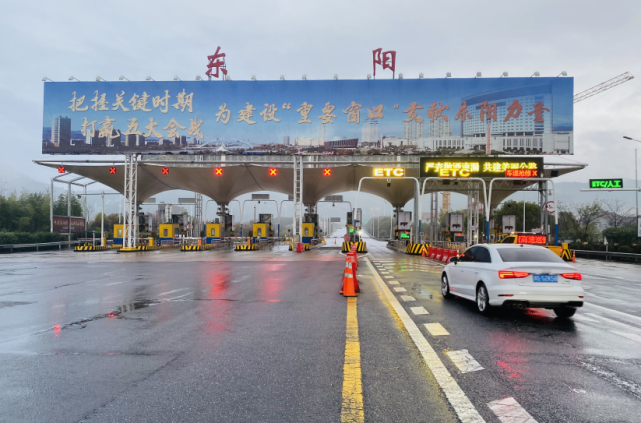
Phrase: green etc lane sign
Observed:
(606, 183)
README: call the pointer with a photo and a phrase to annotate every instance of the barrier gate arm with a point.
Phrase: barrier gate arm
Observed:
(418, 185)
(556, 212)
(485, 195)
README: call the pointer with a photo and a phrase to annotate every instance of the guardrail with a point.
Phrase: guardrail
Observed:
(608, 255)
(37, 245)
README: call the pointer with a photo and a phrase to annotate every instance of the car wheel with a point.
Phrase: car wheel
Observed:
(445, 286)
(482, 299)
(565, 312)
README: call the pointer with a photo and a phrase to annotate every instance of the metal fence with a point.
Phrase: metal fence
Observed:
(608, 256)
(38, 245)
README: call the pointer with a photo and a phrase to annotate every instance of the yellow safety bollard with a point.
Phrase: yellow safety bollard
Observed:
(104, 242)
(151, 242)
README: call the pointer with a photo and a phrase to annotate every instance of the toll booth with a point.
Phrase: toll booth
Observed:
(310, 228)
(403, 225)
(118, 234)
(263, 228)
(167, 232)
(349, 227)
(212, 232)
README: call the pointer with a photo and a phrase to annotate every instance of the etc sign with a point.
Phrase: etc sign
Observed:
(389, 172)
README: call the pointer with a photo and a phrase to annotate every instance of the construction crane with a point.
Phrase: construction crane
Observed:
(604, 86)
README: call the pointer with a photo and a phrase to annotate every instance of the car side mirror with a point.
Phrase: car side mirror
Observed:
(454, 260)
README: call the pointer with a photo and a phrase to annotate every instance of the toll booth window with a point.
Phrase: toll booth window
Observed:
(508, 240)
(259, 232)
(307, 231)
(213, 231)
(166, 232)
(119, 233)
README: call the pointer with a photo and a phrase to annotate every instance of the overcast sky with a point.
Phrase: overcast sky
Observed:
(593, 41)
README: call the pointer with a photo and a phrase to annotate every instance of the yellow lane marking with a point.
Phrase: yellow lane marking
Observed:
(352, 409)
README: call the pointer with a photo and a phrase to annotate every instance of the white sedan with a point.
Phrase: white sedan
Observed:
(514, 275)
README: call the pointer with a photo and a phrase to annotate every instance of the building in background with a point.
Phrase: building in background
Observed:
(61, 131)
(439, 128)
(286, 140)
(345, 143)
(369, 133)
(413, 130)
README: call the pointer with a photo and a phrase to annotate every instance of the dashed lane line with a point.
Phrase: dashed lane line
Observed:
(388, 277)
(436, 329)
(464, 361)
(419, 310)
(509, 411)
(352, 408)
(400, 289)
(407, 298)
(465, 410)
(392, 282)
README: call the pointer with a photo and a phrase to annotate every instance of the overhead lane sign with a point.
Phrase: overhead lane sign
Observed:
(606, 183)
(472, 167)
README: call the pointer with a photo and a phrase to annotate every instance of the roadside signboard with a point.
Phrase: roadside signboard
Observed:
(404, 221)
(509, 223)
(282, 117)
(454, 222)
(61, 224)
(550, 207)
(606, 183)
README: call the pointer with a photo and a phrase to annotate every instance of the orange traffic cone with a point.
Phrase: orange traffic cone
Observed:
(573, 256)
(349, 287)
(334, 241)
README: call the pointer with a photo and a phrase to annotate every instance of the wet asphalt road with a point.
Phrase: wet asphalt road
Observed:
(260, 337)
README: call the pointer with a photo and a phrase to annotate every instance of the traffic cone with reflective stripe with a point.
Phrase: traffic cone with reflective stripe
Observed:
(573, 256)
(352, 259)
(349, 288)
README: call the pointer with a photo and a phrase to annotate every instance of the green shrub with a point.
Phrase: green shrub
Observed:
(587, 247)
(625, 249)
(30, 238)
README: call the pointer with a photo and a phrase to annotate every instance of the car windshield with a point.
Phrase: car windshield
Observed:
(528, 255)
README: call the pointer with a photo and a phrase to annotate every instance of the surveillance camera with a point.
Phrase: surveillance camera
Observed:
(389, 183)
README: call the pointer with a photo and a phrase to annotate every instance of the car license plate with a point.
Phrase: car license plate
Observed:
(545, 278)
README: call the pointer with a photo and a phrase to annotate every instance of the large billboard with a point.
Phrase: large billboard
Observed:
(410, 116)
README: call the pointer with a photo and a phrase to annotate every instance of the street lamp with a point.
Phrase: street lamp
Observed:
(636, 183)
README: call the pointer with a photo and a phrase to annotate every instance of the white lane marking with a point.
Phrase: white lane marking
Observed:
(464, 361)
(392, 282)
(581, 317)
(400, 289)
(455, 395)
(612, 322)
(436, 329)
(631, 336)
(419, 310)
(407, 298)
(618, 313)
(509, 411)
(171, 292)
(114, 283)
(180, 296)
(384, 273)
(388, 277)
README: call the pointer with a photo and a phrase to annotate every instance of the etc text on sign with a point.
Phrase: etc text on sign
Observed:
(520, 115)
(606, 183)
(389, 172)
(481, 167)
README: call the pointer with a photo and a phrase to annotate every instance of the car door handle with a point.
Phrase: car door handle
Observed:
(476, 271)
